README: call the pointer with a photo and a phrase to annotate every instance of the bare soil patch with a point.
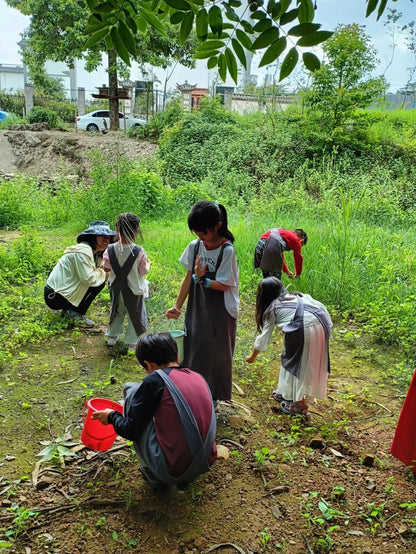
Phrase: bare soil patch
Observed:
(53, 154)
(269, 496)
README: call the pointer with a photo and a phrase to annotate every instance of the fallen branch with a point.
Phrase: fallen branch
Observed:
(277, 490)
(235, 443)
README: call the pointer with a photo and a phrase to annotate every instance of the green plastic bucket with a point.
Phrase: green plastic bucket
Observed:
(179, 336)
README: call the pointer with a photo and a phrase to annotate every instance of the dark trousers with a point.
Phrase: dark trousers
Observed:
(56, 301)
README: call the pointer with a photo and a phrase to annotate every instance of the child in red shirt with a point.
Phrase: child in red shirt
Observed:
(269, 252)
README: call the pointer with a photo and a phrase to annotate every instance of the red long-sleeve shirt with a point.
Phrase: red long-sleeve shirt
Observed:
(293, 243)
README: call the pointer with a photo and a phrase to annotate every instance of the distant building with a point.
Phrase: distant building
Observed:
(191, 95)
(12, 78)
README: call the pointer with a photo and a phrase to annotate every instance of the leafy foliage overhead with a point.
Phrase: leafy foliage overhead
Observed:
(225, 30)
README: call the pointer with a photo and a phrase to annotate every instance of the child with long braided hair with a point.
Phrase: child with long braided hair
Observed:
(128, 264)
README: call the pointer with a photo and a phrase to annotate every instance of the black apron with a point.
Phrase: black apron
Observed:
(272, 261)
(134, 303)
(210, 334)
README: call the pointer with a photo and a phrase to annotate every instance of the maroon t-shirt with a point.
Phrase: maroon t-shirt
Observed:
(168, 426)
(153, 400)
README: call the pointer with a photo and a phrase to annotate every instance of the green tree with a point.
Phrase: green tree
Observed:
(57, 32)
(343, 84)
(224, 31)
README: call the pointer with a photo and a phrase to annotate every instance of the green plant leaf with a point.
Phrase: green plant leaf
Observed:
(239, 50)
(215, 20)
(105, 7)
(186, 27)
(289, 63)
(263, 25)
(178, 4)
(151, 19)
(177, 17)
(273, 52)
(231, 15)
(303, 29)
(381, 8)
(64, 451)
(235, 3)
(289, 16)
(127, 38)
(258, 15)
(248, 27)
(210, 45)
(371, 6)
(119, 46)
(306, 11)
(96, 37)
(142, 24)
(222, 67)
(244, 39)
(311, 61)
(314, 38)
(91, 4)
(212, 62)
(206, 54)
(266, 38)
(47, 452)
(201, 24)
(231, 64)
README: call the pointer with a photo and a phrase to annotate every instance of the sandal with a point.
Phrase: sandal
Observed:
(294, 408)
(277, 396)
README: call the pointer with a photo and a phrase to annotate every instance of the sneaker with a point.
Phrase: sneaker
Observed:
(79, 318)
(132, 349)
(112, 341)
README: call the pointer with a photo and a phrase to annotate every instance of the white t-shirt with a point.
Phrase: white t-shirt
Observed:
(227, 273)
(135, 279)
(278, 315)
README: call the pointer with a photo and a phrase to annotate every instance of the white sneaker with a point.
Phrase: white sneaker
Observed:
(112, 341)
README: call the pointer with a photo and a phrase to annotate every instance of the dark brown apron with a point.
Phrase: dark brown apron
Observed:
(210, 334)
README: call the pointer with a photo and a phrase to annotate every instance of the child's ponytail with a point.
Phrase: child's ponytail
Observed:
(206, 215)
(224, 230)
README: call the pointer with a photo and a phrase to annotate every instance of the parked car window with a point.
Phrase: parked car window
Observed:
(100, 114)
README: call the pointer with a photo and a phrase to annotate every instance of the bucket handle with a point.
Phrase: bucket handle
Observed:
(83, 412)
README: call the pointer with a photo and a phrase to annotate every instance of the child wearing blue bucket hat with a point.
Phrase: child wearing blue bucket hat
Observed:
(211, 286)
(76, 279)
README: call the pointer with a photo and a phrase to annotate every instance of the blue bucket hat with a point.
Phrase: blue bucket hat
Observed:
(97, 228)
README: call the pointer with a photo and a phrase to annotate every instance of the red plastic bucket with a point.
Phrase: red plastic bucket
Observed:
(94, 434)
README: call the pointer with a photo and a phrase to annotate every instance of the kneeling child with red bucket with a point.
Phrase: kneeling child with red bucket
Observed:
(169, 416)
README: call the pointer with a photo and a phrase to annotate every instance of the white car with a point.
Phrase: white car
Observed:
(100, 121)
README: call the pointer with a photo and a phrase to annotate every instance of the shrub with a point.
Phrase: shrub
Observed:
(154, 128)
(43, 115)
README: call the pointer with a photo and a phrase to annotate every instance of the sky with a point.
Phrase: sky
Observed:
(329, 13)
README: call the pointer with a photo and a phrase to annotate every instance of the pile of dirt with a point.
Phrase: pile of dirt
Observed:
(53, 154)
